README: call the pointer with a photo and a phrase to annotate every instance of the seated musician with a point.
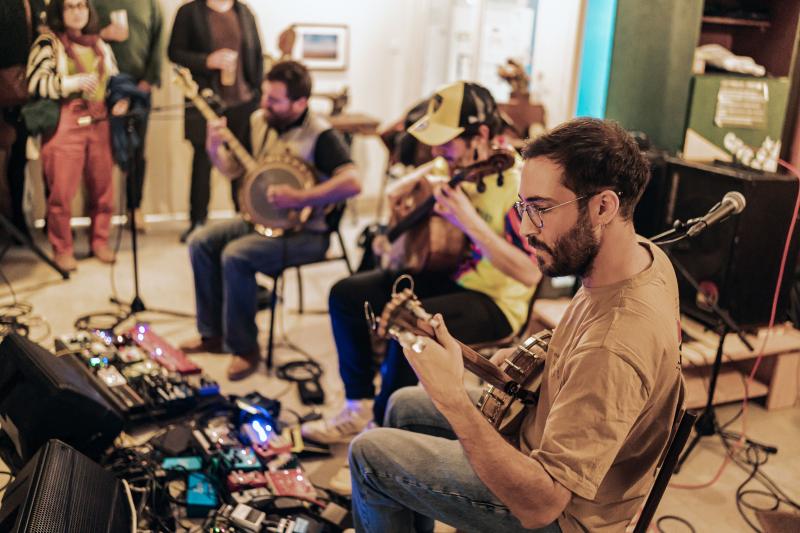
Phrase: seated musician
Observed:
(226, 256)
(485, 299)
(583, 458)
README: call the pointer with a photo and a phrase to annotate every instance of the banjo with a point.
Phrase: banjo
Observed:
(280, 169)
(509, 388)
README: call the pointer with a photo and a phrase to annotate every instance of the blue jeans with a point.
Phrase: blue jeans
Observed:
(225, 258)
(413, 471)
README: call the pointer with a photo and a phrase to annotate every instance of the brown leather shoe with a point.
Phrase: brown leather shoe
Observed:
(141, 225)
(66, 262)
(242, 366)
(104, 254)
(203, 345)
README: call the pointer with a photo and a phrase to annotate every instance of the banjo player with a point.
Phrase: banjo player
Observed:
(226, 256)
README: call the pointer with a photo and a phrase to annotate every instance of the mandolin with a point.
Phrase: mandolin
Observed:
(509, 387)
(432, 243)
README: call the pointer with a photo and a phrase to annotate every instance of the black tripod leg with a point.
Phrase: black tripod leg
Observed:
(12, 229)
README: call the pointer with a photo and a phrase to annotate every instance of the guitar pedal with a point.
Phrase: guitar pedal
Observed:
(241, 458)
(239, 480)
(111, 376)
(291, 482)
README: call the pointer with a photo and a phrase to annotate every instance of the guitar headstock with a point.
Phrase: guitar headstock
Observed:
(185, 81)
(402, 319)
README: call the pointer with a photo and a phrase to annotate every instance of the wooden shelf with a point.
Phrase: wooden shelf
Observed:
(729, 21)
(730, 387)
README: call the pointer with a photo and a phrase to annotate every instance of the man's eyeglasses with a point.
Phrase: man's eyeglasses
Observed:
(535, 213)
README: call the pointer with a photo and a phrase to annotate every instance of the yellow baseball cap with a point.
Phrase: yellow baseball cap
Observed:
(452, 110)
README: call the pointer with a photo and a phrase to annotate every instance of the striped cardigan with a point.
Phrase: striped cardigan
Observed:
(48, 74)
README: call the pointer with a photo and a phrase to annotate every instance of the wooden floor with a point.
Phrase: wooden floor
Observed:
(166, 282)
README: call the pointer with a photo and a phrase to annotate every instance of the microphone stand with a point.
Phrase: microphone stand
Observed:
(706, 424)
(29, 243)
(136, 305)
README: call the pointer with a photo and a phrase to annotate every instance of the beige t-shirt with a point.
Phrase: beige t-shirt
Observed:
(609, 396)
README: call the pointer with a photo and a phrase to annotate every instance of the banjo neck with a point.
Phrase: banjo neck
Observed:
(239, 151)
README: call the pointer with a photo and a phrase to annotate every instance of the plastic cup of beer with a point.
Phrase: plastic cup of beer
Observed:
(119, 17)
(228, 75)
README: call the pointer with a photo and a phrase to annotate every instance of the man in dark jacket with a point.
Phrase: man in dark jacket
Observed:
(218, 41)
(19, 21)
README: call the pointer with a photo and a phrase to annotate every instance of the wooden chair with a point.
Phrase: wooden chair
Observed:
(685, 421)
(333, 219)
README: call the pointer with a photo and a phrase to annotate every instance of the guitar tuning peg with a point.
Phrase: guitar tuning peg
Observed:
(481, 186)
(500, 179)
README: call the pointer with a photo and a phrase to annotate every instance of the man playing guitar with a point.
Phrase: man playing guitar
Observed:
(583, 458)
(226, 256)
(487, 297)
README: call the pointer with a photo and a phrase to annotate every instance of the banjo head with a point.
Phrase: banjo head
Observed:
(275, 170)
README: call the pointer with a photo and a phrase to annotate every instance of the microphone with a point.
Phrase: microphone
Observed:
(732, 204)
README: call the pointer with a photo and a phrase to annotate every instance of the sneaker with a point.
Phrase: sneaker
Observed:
(354, 418)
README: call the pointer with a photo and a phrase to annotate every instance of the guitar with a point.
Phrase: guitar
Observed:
(432, 243)
(509, 387)
(279, 169)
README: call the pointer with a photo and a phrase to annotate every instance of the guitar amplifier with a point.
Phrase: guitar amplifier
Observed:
(736, 261)
(61, 490)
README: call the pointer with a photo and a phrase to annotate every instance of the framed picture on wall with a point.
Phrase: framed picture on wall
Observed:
(321, 46)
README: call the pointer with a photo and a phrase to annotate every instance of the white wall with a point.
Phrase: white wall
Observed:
(383, 77)
(385, 51)
(556, 57)
(388, 41)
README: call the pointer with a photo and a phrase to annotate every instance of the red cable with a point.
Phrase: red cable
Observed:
(763, 347)
(791, 168)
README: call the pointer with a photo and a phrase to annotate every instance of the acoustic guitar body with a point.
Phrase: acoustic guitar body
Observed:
(433, 245)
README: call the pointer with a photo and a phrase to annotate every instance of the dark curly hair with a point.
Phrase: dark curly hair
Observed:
(294, 75)
(595, 155)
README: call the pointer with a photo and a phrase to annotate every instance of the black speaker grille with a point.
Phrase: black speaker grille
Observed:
(52, 497)
(75, 495)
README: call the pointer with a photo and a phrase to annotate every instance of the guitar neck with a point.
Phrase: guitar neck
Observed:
(239, 151)
(483, 368)
(420, 213)
(473, 361)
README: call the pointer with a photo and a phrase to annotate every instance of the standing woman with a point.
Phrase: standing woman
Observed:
(72, 65)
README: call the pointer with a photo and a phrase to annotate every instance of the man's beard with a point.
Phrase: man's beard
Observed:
(573, 253)
(276, 121)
